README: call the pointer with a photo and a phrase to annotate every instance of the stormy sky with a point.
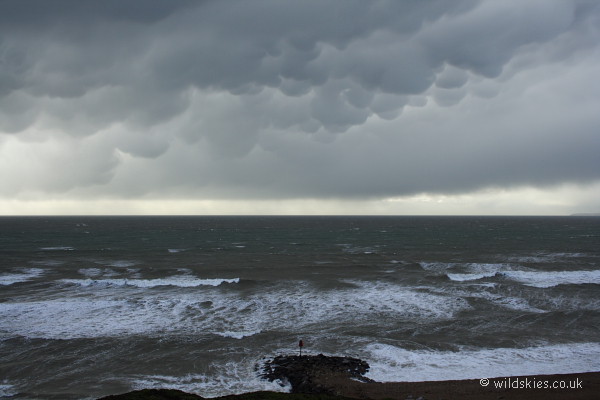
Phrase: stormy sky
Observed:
(292, 107)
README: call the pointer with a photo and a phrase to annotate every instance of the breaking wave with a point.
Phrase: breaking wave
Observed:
(546, 279)
(179, 281)
(23, 275)
(224, 313)
(392, 363)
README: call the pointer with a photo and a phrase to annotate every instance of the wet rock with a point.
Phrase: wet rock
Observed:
(310, 374)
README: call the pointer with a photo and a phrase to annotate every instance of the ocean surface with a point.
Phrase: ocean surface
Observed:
(92, 306)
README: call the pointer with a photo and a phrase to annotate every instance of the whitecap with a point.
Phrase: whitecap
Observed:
(514, 303)
(179, 281)
(67, 319)
(231, 378)
(508, 302)
(469, 267)
(58, 248)
(392, 299)
(567, 303)
(211, 311)
(470, 277)
(97, 317)
(476, 271)
(7, 390)
(390, 363)
(436, 266)
(237, 334)
(24, 275)
(546, 279)
(90, 272)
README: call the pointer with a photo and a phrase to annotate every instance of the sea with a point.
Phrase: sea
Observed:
(93, 306)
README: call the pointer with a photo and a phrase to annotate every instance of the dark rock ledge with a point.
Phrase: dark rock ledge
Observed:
(315, 374)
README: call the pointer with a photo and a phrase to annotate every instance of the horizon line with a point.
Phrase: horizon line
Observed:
(303, 215)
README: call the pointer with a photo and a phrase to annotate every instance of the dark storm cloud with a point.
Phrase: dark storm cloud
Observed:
(289, 99)
(20, 13)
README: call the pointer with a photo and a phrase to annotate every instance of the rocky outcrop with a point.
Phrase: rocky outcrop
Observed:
(315, 374)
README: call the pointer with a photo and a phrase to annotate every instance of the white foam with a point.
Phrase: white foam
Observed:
(97, 317)
(470, 277)
(567, 255)
(546, 279)
(190, 383)
(91, 272)
(65, 319)
(515, 303)
(24, 275)
(237, 334)
(7, 390)
(509, 302)
(567, 303)
(107, 313)
(176, 250)
(230, 378)
(397, 301)
(302, 305)
(58, 248)
(436, 266)
(470, 268)
(390, 363)
(179, 281)
(462, 272)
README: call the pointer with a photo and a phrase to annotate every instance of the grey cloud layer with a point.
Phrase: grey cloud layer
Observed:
(264, 98)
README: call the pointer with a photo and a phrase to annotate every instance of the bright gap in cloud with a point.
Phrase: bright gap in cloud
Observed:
(561, 200)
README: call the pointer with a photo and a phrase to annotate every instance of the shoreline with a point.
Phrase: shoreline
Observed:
(585, 386)
(469, 389)
(328, 377)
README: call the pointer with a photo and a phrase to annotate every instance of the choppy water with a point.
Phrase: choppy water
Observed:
(91, 306)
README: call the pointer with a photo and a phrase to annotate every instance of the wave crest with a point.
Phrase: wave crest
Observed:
(179, 281)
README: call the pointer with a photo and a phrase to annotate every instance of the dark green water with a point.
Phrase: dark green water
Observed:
(91, 306)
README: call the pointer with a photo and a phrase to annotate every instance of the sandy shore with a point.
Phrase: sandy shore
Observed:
(584, 386)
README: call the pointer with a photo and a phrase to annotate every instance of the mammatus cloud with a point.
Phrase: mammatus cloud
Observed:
(183, 99)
